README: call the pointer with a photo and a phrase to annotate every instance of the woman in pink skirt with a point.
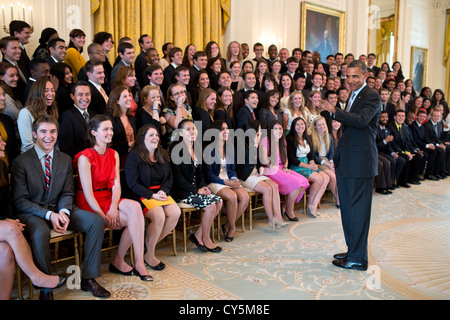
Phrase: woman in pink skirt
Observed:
(274, 157)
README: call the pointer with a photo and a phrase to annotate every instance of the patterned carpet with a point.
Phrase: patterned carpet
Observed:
(409, 255)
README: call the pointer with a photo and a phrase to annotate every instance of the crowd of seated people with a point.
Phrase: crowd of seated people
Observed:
(144, 135)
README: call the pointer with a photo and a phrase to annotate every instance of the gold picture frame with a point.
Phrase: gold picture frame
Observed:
(419, 67)
(318, 23)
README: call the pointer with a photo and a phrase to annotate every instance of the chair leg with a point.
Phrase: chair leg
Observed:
(174, 240)
(184, 232)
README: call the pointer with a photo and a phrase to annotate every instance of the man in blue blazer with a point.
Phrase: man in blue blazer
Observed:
(356, 162)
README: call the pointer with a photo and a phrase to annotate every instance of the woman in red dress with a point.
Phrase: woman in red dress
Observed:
(100, 192)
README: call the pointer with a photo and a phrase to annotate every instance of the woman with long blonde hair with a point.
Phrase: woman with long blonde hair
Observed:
(296, 108)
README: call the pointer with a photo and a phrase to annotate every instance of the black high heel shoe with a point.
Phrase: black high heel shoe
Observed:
(146, 278)
(294, 219)
(62, 281)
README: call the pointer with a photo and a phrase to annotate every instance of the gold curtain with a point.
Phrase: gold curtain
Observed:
(179, 21)
(447, 56)
(387, 27)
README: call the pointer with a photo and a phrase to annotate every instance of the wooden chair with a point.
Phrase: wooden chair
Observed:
(186, 214)
(253, 206)
(55, 238)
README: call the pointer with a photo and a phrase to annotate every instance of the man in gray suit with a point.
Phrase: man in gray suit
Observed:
(356, 163)
(43, 188)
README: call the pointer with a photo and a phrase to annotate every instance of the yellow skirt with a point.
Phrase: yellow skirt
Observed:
(149, 204)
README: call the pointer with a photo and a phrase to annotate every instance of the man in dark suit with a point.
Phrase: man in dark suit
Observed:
(384, 145)
(407, 149)
(356, 163)
(249, 85)
(127, 56)
(96, 77)
(74, 122)
(22, 31)
(39, 68)
(176, 59)
(12, 52)
(43, 188)
(435, 159)
(246, 113)
(371, 59)
(434, 134)
(200, 61)
(58, 50)
(146, 43)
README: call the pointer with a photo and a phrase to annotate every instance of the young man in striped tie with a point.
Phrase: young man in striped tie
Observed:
(43, 189)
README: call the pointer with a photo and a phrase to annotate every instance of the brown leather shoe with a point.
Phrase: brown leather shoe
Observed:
(96, 289)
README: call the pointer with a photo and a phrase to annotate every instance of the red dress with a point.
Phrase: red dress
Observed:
(103, 172)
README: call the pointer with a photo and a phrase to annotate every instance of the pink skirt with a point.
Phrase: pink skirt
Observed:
(289, 181)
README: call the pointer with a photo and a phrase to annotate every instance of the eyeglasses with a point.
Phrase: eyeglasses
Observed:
(176, 94)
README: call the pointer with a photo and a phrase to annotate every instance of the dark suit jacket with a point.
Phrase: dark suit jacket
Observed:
(169, 77)
(24, 64)
(189, 179)
(390, 109)
(114, 73)
(357, 155)
(72, 131)
(119, 140)
(384, 148)
(140, 65)
(28, 182)
(402, 139)
(242, 118)
(98, 103)
(291, 149)
(139, 176)
(212, 171)
(203, 116)
(430, 134)
(418, 134)
(245, 168)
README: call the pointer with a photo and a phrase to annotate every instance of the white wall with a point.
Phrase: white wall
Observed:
(63, 15)
(278, 21)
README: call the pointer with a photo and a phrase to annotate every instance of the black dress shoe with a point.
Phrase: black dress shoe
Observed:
(405, 185)
(46, 295)
(97, 290)
(346, 264)
(114, 269)
(340, 255)
(415, 182)
(194, 240)
(382, 191)
(431, 177)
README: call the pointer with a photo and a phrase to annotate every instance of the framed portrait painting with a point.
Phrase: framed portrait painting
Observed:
(322, 30)
(419, 65)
